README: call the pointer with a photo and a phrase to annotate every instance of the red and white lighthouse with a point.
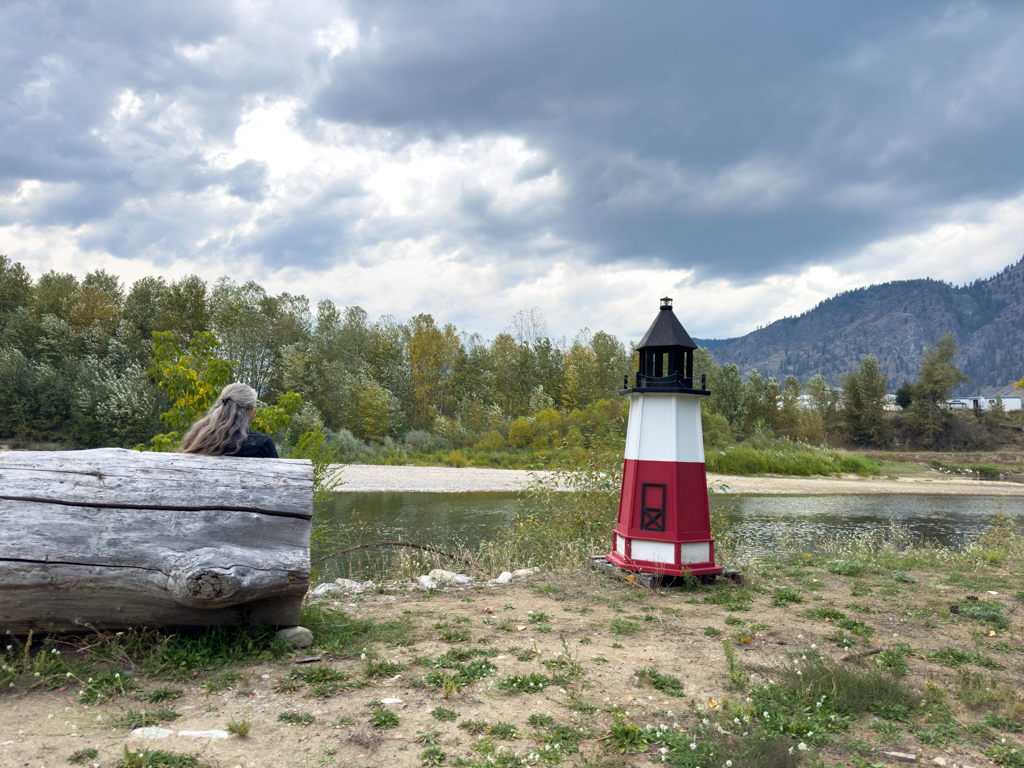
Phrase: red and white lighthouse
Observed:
(664, 524)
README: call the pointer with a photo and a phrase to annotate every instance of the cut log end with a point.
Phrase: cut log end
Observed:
(209, 588)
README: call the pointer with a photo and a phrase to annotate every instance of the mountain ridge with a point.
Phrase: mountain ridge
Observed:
(895, 321)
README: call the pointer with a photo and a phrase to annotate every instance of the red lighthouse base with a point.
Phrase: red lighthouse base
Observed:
(664, 523)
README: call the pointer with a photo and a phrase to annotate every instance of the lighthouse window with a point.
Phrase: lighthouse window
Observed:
(652, 507)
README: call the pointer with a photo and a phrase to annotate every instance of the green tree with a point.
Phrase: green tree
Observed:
(139, 316)
(581, 377)
(389, 360)
(824, 397)
(506, 355)
(937, 376)
(108, 285)
(863, 402)
(52, 292)
(253, 328)
(761, 401)
(184, 309)
(905, 395)
(549, 364)
(790, 405)
(612, 363)
(15, 288)
(434, 355)
(996, 413)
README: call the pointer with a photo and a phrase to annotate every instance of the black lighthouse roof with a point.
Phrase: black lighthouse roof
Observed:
(665, 356)
(666, 330)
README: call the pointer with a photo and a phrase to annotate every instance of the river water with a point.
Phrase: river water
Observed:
(448, 520)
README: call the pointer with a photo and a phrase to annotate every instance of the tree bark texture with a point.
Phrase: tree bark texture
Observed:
(109, 539)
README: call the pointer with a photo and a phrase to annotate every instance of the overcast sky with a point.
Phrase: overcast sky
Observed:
(471, 159)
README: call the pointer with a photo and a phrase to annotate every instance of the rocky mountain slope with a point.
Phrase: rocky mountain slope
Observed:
(895, 322)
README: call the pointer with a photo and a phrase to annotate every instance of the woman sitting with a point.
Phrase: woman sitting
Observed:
(224, 430)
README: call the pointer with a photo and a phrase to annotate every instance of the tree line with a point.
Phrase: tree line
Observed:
(77, 357)
(89, 363)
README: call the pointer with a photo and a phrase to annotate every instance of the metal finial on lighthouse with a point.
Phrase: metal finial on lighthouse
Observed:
(664, 522)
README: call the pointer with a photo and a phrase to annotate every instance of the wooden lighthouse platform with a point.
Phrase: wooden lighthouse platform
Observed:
(659, 580)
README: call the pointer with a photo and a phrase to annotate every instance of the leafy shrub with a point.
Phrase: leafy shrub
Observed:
(421, 441)
(492, 441)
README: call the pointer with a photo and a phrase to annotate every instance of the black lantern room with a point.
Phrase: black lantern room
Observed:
(666, 357)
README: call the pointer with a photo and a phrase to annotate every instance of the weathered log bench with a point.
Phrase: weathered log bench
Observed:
(109, 539)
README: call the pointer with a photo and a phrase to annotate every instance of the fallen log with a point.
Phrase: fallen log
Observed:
(108, 539)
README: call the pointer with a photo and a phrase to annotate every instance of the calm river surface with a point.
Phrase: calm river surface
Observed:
(448, 519)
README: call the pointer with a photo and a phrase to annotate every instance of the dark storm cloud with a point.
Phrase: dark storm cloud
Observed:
(64, 68)
(742, 138)
(754, 136)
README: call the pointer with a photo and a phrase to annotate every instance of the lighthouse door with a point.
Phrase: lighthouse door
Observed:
(652, 507)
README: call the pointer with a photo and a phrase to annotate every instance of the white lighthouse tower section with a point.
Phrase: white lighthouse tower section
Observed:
(664, 427)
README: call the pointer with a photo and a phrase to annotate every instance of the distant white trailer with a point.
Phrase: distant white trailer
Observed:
(982, 403)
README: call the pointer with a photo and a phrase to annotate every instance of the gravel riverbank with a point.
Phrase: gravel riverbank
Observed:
(372, 477)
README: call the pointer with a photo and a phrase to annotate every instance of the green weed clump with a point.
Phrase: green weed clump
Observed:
(987, 613)
(157, 758)
(444, 715)
(107, 686)
(433, 756)
(381, 717)
(132, 719)
(338, 632)
(382, 669)
(620, 627)
(532, 683)
(670, 686)
(837, 692)
(785, 596)
(703, 745)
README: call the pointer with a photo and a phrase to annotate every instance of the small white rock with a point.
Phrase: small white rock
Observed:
(450, 577)
(152, 733)
(522, 572)
(939, 760)
(296, 637)
(425, 582)
(390, 701)
(504, 578)
(203, 734)
(327, 589)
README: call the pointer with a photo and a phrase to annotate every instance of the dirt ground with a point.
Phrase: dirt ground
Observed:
(612, 626)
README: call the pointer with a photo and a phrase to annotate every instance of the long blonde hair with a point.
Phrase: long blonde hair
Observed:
(224, 427)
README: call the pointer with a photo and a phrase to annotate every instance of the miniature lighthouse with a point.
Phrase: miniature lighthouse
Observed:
(664, 524)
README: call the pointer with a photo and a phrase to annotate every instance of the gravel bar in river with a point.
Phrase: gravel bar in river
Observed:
(377, 477)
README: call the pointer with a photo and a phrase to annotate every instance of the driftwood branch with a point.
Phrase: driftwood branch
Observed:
(390, 544)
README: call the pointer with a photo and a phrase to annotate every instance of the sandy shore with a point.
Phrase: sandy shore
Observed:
(366, 477)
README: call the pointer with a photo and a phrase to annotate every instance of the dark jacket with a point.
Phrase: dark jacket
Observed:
(257, 445)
